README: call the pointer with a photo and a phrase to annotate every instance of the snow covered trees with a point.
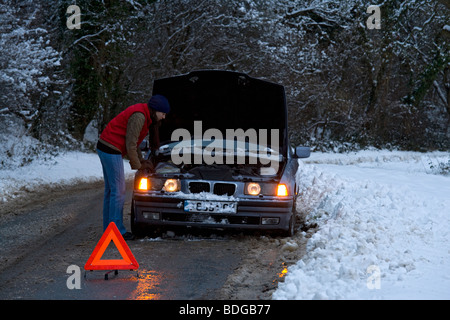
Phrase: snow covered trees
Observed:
(345, 82)
(97, 55)
(31, 82)
(27, 64)
(366, 86)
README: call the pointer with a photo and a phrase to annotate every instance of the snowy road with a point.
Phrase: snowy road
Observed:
(52, 231)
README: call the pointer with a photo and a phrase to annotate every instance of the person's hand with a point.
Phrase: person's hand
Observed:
(146, 164)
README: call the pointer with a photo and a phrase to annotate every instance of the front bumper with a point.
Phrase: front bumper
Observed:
(268, 213)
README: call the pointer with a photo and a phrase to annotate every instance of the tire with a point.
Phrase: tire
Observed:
(135, 228)
(290, 232)
(291, 228)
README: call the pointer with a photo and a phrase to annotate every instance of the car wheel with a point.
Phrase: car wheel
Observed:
(291, 229)
(135, 228)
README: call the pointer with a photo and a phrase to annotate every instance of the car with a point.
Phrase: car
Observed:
(225, 160)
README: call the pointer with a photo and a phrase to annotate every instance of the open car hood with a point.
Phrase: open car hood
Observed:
(223, 100)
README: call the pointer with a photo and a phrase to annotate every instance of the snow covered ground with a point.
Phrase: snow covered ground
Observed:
(383, 228)
(67, 169)
(383, 221)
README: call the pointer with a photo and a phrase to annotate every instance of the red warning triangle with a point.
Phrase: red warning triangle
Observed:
(128, 262)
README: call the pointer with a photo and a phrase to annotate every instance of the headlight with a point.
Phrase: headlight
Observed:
(282, 190)
(252, 188)
(172, 185)
(148, 184)
(143, 184)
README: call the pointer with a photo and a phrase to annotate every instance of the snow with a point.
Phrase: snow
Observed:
(383, 228)
(67, 169)
(383, 221)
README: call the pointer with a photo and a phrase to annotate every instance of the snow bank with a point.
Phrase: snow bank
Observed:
(384, 228)
(67, 169)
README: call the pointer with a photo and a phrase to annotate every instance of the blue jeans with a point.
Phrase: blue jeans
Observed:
(114, 197)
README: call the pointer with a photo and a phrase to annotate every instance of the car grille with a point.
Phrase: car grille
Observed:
(224, 188)
(197, 187)
(219, 188)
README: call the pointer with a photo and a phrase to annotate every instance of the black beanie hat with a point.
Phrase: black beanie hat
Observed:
(159, 103)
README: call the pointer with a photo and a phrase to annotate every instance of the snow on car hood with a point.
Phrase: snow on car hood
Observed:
(223, 100)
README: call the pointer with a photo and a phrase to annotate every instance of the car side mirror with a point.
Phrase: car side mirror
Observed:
(302, 152)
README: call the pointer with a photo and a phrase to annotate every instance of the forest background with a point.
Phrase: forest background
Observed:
(349, 85)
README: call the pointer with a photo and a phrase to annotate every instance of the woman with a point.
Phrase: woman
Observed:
(122, 136)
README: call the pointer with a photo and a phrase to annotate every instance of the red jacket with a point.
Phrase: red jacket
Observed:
(116, 129)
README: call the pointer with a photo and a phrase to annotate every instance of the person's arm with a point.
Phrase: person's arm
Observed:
(134, 128)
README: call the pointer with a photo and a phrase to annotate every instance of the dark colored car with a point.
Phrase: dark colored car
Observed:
(225, 159)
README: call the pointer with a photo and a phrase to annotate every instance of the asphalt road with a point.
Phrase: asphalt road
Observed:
(46, 240)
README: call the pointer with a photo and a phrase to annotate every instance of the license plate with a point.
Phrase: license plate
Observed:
(210, 206)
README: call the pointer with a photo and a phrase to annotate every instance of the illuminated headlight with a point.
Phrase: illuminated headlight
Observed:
(144, 184)
(252, 188)
(172, 185)
(149, 184)
(282, 190)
